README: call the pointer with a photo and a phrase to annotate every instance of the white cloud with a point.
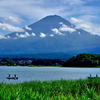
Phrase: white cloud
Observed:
(86, 25)
(79, 23)
(42, 35)
(28, 28)
(11, 28)
(17, 34)
(33, 34)
(28, 8)
(40, 8)
(36, 9)
(25, 35)
(74, 20)
(51, 35)
(56, 31)
(65, 28)
(14, 19)
(22, 36)
(79, 33)
(2, 37)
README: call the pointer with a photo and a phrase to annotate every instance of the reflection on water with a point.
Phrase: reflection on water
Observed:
(45, 73)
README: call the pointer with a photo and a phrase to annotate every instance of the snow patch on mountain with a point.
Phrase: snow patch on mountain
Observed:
(51, 35)
(33, 34)
(42, 35)
(4, 37)
(56, 31)
(28, 28)
(22, 35)
(65, 28)
(25, 35)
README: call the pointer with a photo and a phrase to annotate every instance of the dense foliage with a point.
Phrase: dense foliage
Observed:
(48, 62)
(52, 90)
(83, 60)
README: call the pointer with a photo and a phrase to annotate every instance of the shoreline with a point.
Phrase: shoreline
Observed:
(42, 66)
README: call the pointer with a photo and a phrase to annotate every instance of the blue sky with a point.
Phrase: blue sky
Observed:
(15, 14)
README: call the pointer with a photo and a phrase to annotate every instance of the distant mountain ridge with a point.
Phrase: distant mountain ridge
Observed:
(50, 35)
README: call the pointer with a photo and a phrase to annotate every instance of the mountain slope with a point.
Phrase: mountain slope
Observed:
(45, 25)
(50, 35)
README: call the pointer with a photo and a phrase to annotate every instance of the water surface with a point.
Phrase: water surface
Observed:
(45, 73)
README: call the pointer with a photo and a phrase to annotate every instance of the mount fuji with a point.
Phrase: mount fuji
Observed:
(50, 37)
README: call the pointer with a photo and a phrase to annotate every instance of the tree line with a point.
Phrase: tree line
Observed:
(83, 60)
(30, 61)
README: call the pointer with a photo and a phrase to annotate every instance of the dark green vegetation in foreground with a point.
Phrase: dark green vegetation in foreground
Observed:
(83, 60)
(52, 90)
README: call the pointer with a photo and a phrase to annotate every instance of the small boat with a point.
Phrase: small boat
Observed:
(91, 77)
(13, 77)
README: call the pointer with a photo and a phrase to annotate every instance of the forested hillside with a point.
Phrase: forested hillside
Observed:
(83, 60)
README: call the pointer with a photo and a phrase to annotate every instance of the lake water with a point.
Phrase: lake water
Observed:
(45, 73)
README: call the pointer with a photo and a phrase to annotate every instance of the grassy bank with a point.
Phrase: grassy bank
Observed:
(53, 90)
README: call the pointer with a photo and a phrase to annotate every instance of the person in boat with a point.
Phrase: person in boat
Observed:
(9, 75)
(90, 75)
(96, 75)
(15, 75)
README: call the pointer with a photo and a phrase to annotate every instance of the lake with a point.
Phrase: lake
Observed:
(45, 73)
